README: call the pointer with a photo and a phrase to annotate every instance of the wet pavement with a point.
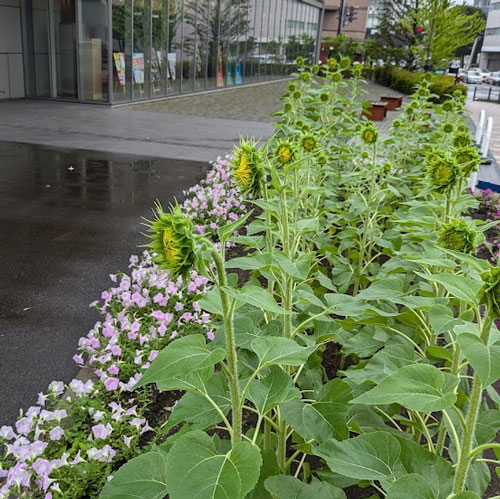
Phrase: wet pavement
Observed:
(67, 220)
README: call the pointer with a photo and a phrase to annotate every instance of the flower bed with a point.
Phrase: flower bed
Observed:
(351, 353)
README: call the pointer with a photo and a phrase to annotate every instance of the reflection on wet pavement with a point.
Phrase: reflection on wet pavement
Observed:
(67, 220)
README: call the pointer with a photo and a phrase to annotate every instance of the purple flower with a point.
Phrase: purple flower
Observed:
(78, 359)
(56, 387)
(111, 384)
(56, 433)
(158, 315)
(113, 369)
(116, 350)
(42, 466)
(7, 433)
(101, 431)
(127, 440)
(23, 426)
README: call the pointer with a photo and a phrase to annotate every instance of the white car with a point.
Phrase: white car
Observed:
(474, 77)
(494, 78)
(484, 74)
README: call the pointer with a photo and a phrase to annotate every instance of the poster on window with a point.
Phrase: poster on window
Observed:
(171, 65)
(138, 67)
(238, 79)
(119, 58)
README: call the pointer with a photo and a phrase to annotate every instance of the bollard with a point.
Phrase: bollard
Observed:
(479, 128)
(485, 144)
(473, 182)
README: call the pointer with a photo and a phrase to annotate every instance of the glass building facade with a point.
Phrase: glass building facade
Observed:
(114, 51)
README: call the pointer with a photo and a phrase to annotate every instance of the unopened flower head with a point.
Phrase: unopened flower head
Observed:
(247, 167)
(442, 172)
(458, 236)
(345, 62)
(315, 69)
(172, 240)
(297, 94)
(305, 76)
(299, 61)
(284, 153)
(461, 139)
(332, 63)
(369, 134)
(468, 159)
(448, 106)
(490, 292)
(337, 76)
(447, 128)
(309, 143)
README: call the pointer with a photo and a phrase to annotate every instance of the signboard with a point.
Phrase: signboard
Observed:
(172, 59)
(138, 67)
(119, 58)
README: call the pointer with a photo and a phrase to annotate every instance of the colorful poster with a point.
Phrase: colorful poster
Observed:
(138, 67)
(172, 59)
(239, 76)
(119, 58)
(219, 83)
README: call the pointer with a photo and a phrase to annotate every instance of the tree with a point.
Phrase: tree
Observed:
(343, 45)
(446, 27)
(397, 32)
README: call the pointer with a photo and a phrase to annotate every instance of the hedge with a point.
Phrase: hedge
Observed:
(404, 81)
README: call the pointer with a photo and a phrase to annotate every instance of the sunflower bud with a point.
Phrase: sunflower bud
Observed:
(396, 123)
(305, 76)
(468, 159)
(447, 128)
(315, 69)
(247, 168)
(287, 107)
(448, 106)
(457, 236)
(369, 134)
(336, 76)
(324, 97)
(292, 86)
(284, 153)
(322, 160)
(297, 94)
(309, 143)
(442, 172)
(172, 240)
(490, 292)
(345, 62)
(462, 139)
(299, 61)
(332, 63)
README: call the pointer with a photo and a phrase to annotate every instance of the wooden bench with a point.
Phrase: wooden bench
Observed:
(393, 101)
(377, 111)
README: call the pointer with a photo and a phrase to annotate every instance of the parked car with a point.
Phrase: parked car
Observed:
(494, 78)
(474, 77)
(484, 74)
(461, 76)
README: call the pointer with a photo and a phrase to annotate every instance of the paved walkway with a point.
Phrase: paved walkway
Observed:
(122, 130)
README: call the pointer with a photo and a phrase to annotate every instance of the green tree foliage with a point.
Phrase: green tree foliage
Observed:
(414, 33)
(343, 45)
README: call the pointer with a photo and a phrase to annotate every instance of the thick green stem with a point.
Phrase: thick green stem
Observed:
(366, 222)
(472, 414)
(232, 360)
(281, 446)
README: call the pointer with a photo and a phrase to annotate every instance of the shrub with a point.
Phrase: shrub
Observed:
(405, 81)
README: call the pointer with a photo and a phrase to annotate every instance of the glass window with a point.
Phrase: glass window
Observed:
(141, 49)
(93, 50)
(175, 27)
(36, 47)
(122, 50)
(159, 65)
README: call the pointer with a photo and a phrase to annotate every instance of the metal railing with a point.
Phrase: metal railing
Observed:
(489, 94)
